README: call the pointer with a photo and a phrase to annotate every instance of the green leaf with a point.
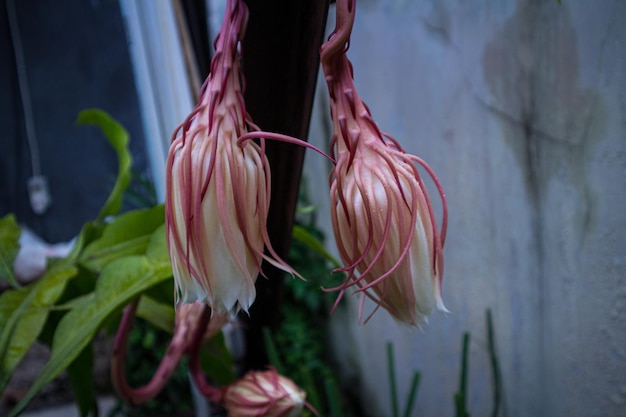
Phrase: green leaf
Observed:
(118, 138)
(332, 395)
(308, 385)
(157, 249)
(72, 303)
(272, 351)
(89, 232)
(9, 247)
(80, 374)
(496, 376)
(300, 234)
(158, 314)
(12, 306)
(120, 282)
(460, 397)
(410, 401)
(162, 293)
(391, 368)
(306, 209)
(217, 361)
(128, 234)
(24, 313)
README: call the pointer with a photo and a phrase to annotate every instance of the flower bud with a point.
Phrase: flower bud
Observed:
(264, 394)
(217, 190)
(385, 229)
(383, 219)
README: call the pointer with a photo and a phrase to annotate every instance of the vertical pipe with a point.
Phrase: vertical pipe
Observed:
(281, 61)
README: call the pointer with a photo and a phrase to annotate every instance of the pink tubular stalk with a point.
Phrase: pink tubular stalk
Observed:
(194, 323)
(168, 364)
(162, 374)
(382, 215)
(197, 335)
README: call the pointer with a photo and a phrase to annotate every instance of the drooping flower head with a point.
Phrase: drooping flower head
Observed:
(218, 190)
(382, 216)
(263, 394)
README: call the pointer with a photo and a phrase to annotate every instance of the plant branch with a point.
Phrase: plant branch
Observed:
(212, 393)
(167, 366)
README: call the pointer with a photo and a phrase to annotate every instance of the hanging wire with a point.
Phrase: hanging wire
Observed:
(37, 184)
(23, 85)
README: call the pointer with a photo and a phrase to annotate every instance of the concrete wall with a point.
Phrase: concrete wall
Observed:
(520, 107)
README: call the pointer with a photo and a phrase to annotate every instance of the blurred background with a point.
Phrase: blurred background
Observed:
(518, 105)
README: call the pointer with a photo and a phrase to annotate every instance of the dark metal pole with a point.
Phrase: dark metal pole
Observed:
(281, 62)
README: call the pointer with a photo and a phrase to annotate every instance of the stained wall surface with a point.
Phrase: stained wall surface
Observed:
(520, 108)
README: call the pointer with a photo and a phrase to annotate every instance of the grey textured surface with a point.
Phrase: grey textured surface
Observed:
(520, 108)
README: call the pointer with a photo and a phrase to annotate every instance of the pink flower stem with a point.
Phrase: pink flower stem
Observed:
(338, 41)
(214, 394)
(167, 366)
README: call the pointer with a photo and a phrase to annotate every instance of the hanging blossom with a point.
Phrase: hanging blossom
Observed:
(383, 219)
(264, 394)
(218, 190)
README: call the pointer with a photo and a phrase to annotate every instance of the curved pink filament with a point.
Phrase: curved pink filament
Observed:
(282, 138)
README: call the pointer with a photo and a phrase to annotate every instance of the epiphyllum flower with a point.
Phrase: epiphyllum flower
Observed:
(382, 216)
(218, 190)
(263, 394)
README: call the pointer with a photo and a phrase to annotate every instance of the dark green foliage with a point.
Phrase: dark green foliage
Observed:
(412, 395)
(298, 347)
(460, 397)
(9, 246)
(316, 269)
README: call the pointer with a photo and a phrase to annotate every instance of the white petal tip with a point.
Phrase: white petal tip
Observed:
(441, 307)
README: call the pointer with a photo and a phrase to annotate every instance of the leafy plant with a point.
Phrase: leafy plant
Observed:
(116, 258)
